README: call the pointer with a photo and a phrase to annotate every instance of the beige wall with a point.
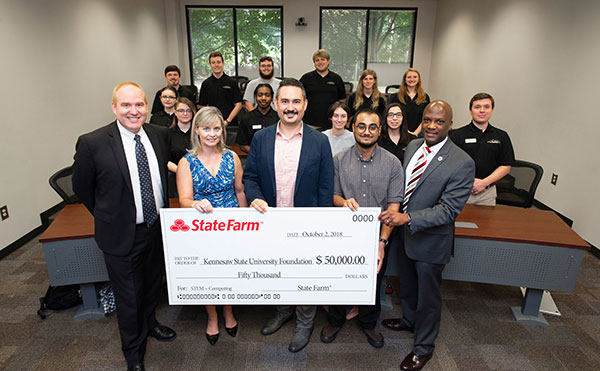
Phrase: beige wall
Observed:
(538, 58)
(60, 62)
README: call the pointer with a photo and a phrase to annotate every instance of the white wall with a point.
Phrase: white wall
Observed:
(60, 62)
(538, 58)
(300, 42)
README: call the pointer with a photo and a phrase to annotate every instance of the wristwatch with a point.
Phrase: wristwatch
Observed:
(385, 242)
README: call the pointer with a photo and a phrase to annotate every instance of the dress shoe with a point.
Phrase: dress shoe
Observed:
(414, 361)
(396, 324)
(274, 324)
(232, 331)
(162, 333)
(374, 338)
(212, 339)
(138, 367)
(300, 339)
(329, 333)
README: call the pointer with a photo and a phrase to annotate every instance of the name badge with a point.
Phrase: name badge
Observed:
(471, 140)
(256, 127)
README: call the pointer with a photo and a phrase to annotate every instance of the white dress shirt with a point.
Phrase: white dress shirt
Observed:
(127, 137)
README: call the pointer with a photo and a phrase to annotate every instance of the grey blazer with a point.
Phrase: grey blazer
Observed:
(439, 197)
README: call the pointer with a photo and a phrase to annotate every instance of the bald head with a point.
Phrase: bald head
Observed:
(436, 122)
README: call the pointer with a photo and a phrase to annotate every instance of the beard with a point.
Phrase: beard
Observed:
(366, 145)
(266, 77)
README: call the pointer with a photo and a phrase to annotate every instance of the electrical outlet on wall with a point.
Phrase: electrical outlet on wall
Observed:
(4, 212)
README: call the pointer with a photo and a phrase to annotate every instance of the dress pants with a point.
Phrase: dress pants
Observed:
(421, 300)
(136, 282)
(305, 314)
(367, 314)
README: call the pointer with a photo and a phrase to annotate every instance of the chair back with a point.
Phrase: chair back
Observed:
(518, 187)
(349, 87)
(392, 89)
(242, 82)
(62, 184)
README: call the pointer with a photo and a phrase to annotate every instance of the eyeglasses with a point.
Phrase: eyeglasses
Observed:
(363, 127)
(392, 115)
(167, 97)
(182, 111)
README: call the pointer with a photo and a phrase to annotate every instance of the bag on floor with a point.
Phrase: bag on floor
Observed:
(59, 298)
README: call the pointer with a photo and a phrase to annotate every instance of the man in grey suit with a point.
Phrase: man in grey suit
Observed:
(439, 178)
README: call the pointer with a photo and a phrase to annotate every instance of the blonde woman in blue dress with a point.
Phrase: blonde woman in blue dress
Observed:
(211, 176)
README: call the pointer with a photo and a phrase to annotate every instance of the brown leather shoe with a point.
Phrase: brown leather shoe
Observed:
(396, 324)
(414, 361)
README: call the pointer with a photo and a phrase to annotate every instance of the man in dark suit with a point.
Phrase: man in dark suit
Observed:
(290, 165)
(120, 175)
(439, 178)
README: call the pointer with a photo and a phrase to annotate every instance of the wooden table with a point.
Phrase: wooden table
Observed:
(72, 256)
(510, 246)
(515, 247)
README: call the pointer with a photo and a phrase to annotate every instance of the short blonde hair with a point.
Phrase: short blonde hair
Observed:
(116, 89)
(321, 53)
(206, 116)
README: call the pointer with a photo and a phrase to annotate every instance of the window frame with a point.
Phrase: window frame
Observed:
(234, 8)
(415, 11)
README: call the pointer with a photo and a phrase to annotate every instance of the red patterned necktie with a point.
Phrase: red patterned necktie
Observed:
(414, 176)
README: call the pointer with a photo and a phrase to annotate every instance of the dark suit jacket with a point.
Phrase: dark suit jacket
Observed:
(439, 197)
(314, 179)
(102, 182)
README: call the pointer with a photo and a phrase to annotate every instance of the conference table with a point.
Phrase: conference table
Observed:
(502, 245)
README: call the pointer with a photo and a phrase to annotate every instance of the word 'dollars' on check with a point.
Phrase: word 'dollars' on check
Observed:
(284, 256)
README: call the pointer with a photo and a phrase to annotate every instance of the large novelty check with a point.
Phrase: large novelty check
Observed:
(285, 256)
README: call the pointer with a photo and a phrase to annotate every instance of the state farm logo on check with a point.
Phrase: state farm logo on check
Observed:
(215, 225)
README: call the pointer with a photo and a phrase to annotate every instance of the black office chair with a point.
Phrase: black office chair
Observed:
(349, 87)
(240, 80)
(62, 184)
(392, 89)
(230, 140)
(518, 187)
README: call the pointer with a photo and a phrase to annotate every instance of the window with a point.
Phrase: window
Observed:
(242, 35)
(381, 39)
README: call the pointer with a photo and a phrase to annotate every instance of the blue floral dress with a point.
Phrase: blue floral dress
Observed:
(218, 190)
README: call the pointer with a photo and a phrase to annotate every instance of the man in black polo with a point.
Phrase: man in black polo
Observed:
(220, 90)
(323, 87)
(261, 117)
(172, 75)
(369, 176)
(488, 146)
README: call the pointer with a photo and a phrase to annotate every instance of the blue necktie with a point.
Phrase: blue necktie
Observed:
(148, 201)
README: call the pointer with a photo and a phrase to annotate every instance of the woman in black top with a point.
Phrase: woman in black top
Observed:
(168, 97)
(413, 100)
(179, 138)
(367, 94)
(394, 134)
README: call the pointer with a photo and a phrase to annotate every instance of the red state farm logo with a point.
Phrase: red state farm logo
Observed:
(179, 225)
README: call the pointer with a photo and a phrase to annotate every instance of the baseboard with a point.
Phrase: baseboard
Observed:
(45, 220)
(594, 250)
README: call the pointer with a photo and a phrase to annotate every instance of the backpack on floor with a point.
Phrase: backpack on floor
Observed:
(59, 298)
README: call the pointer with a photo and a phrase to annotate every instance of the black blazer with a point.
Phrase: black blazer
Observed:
(101, 181)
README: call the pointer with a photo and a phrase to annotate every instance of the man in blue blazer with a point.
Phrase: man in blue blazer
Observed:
(439, 179)
(289, 165)
(123, 193)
